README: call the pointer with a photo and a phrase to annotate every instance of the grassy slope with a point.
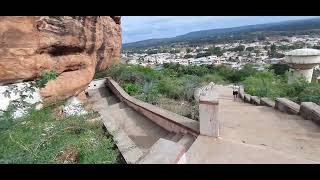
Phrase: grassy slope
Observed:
(41, 138)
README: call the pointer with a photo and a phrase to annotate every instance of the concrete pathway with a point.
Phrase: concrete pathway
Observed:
(257, 134)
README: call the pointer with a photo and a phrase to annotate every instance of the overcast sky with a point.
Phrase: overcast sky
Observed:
(137, 28)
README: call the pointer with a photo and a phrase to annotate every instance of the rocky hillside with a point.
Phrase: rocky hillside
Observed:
(75, 47)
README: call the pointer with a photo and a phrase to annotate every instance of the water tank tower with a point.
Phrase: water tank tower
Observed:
(302, 61)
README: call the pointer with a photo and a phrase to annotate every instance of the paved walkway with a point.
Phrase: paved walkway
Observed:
(257, 134)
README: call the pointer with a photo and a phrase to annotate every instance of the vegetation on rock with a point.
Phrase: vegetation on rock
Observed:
(45, 78)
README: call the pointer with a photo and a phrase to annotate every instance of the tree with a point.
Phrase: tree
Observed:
(261, 37)
(188, 56)
(273, 52)
(249, 49)
(174, 51)
(273, 48)
(189, 50)
(316, 47)
(215, 51)
(279, 69)
(239, 48)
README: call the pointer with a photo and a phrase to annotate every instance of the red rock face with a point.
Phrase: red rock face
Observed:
(73, 46)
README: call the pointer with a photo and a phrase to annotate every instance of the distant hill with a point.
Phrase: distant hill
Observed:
(214, 34)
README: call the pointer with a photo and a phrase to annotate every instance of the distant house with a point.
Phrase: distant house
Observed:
(275, 61)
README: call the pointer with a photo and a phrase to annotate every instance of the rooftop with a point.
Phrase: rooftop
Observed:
(304, 52)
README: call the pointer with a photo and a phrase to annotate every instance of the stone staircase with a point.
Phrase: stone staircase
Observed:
(137, 136)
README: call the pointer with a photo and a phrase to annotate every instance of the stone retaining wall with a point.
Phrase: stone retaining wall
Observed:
(241, 94)
(164, 118)
(255, 100)
(267, 102)
(287, 106)
(310, 111)
(247, 98)
(307, 110)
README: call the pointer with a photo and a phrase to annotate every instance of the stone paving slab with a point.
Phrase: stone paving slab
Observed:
(257, 134)
(207, 150)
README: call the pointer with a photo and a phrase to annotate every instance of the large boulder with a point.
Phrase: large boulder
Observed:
(75, 47)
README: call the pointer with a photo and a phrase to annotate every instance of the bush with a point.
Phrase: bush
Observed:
(216, 78)
(293, 90)
(131, 89)
(310, 94)
(249, 49)
(188, 56)
(169, 87)
(181, 70)
(45, 77)
(39, 138)
(264, 84)
(123, 73)
(279, 69)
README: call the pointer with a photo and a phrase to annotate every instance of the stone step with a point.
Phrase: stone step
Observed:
(170, 135)
(107, 101)
(176, 137)
(125, 113)
(102, 104)
(186, 141)
(112, 100)
(142, 140)
(99, 93)
(119, 105)
(140, 129)
(129, 150)
(161, 132)
(163, 152)
(128, 114)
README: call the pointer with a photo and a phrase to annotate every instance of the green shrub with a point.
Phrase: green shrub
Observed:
(45, 77)
(39, 138)
(216, 78)
(178, 88)
(264, 84)
(169, 87)
(131, 89)
(279, 69)
(310, 94)
(194, 70)
(135, 74)
(189, 84)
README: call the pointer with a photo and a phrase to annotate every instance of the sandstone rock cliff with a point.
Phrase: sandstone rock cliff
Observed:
(75, 47)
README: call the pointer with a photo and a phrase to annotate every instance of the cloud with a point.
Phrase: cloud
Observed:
(136, 28)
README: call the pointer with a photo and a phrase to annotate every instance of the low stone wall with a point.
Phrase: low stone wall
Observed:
(287, 106)
(267, 102)
(307, 110)
(247, 98)
(310, 111)
(164, 118)
(255, 100)
(241, 94)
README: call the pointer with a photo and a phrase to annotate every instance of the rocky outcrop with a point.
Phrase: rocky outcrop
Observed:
(75, 47)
